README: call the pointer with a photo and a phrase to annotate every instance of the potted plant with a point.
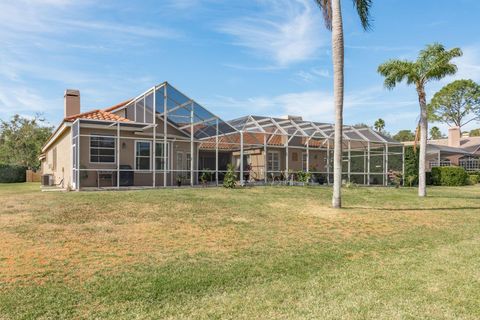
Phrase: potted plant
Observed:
(303, 177)
(205, 177)
(179, 180)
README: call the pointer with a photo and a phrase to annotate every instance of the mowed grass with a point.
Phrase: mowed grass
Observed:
(258, 253)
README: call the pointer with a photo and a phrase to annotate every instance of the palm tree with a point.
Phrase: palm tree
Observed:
(433, 63)
(435, 133)
(332, 14)
(379, 124)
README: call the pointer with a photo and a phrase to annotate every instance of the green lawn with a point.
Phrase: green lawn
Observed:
(259, 253)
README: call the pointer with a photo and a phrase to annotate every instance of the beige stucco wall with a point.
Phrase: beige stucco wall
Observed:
(62, 169)
(317, 161)
(127, 157)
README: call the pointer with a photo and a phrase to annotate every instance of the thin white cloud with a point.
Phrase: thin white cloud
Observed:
(121, 29)
(315, 105)
(313, 74)
(468, 64)
(290, 31)
(22, 99)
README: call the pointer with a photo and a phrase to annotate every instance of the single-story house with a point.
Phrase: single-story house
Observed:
(455, 150)
(163, 138)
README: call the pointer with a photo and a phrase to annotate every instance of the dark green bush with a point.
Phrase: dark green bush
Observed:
(449, 176)
(12, 173)
(411, 166)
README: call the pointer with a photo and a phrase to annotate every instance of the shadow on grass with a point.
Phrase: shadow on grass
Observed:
(415, 209)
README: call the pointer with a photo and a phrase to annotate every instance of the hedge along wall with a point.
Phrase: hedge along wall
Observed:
(12, 173)
(449, 176)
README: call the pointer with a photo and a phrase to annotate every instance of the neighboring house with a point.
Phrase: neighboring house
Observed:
(456, 150)
(130, 145)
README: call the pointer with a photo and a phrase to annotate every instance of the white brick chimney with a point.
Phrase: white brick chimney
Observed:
(71, 102)
(454, 135)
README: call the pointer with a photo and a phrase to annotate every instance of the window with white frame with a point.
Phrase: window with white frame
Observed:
(188, 164)
(142, 155)
(304, 161)
(161, 157)
(102, 149)
(273, 161)
(179, 165)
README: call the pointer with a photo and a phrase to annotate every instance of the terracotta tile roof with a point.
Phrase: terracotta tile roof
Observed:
(119, 105)
(96, 115)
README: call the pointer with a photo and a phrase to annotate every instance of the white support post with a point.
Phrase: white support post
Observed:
(191, 145)
(118, 155)
(165, 120)
(265, 159)
(78, 155)
(286, 163)
(308, 156)
(241, 158)
(368, 163)
(349, 163)
(216, 153)
(328, 162)
(364, 166)
(154, 129)
(386, 164)
(403, 165)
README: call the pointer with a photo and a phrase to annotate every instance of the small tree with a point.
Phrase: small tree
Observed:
(404, 135)
(433, 63)
(379, 125)
(475, 133)
(21, 140)
(230, 179)
(456, 104)
(435, 133)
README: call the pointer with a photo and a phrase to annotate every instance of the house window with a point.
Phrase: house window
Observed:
(304, 161)
(189, 164)
(294, 156)
(273, 161)
(102, 149)
(179, 161)
(54, 154)
(142, 155)
(161, 157)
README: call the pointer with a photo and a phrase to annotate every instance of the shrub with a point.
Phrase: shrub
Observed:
(411, 165)
(303, 176)
(205, 177)
(230, 179)
(12, 173)
(473, 179)
(449, 176)
(411, 180)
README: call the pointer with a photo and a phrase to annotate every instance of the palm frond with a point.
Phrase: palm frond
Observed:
(363, 10)
(326, 7)
(435, 61)
(396, 71)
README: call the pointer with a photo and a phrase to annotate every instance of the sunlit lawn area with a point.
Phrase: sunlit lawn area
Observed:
(264, 253)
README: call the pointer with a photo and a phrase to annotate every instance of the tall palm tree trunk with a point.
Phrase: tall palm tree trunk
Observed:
(337, 56)
(422, 186)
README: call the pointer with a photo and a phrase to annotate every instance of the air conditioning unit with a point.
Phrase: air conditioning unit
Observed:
(47, 180)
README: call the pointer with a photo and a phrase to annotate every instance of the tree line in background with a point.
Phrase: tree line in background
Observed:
(21, 141)
(456, 104)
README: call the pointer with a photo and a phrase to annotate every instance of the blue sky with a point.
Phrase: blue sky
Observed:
(265, 57)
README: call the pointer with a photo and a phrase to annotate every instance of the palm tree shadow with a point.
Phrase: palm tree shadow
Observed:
(456, 197)
(416, 209)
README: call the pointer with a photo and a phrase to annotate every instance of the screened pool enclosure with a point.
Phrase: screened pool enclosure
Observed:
(164, 138)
